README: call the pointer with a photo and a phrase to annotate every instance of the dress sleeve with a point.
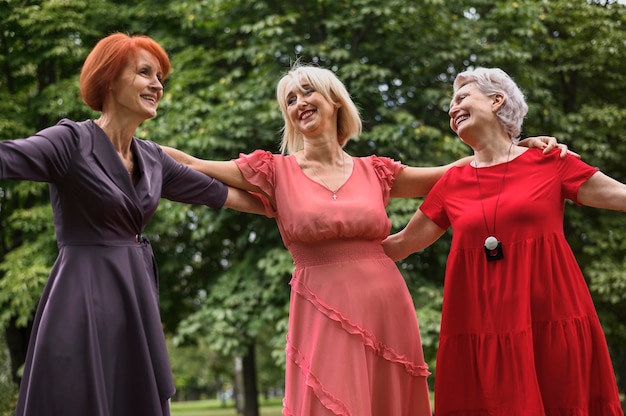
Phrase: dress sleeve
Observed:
(183, 184)
(43, 157)
(573, 172)
(387, 171)
(433, 205)
(258, 169)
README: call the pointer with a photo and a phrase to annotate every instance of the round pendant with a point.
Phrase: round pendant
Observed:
(491, 243)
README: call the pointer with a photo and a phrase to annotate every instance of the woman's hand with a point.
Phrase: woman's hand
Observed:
(418, 234)
(547, 143)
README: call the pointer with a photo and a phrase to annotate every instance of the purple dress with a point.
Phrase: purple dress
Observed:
(97, 346)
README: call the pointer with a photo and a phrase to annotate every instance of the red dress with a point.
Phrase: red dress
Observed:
(353, 343)
(519, 335)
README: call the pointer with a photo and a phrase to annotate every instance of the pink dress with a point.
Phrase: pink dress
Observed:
(519, 335)
(353, 343)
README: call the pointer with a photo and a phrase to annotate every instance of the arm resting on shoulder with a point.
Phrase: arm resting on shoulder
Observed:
(547, 143)
(419, 233)
(414, 182)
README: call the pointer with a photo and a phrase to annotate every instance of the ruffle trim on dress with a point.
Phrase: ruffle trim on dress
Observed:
(258, 169)
(385, 173)
(368, 338)
(261, 163)
(329, 401)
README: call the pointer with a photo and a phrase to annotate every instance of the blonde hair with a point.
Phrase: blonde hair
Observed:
(325, 82)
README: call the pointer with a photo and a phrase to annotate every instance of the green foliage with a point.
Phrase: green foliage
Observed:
(243, 305)
(8, 391)
(26, 276)
(29, 250)
(194, 382)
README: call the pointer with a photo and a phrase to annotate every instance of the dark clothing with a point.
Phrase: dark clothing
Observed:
(97, 346)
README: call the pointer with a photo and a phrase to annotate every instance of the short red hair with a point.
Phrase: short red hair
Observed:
(107, 60)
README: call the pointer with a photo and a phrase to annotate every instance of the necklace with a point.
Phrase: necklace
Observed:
(343, 174)
(493, 246)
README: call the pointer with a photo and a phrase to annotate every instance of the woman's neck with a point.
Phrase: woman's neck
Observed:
(120, 135)
(495, 154)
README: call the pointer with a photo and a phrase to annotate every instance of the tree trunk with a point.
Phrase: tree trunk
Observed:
(17, 343)
(251, 393)
(620, 370)
(238, 388)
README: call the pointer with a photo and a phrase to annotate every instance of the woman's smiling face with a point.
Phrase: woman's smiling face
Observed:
(138, 89)
(469, 108)
(309, 111)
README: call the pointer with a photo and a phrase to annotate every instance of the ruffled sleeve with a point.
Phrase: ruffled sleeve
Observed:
(258, 169)
(387, 171)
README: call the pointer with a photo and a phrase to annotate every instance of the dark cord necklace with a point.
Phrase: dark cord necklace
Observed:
(493, 246)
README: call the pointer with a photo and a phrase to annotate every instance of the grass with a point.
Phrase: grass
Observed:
(215, 408)
(268, 408)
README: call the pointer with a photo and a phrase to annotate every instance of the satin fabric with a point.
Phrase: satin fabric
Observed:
(97, 347)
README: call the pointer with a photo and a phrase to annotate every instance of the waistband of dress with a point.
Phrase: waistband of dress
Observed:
(131, 241)
(335, 251)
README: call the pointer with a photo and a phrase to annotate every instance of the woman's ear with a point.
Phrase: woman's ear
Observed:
(498, 101)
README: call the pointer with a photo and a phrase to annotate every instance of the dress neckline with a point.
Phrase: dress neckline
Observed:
(500, 165)
(321, 185)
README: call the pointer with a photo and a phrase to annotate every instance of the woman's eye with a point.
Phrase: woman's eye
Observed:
(309, 91)
(291, 100)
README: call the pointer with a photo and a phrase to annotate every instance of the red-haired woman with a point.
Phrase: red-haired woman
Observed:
(97, 346)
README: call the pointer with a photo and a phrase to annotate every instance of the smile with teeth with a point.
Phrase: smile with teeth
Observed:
(461, 119)
(306, 114)
(149, 98)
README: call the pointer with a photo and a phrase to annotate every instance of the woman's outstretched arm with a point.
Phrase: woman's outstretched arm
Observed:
(224, 171)
(415, 182)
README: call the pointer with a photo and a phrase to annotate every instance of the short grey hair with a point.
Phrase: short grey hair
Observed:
(494, 80)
